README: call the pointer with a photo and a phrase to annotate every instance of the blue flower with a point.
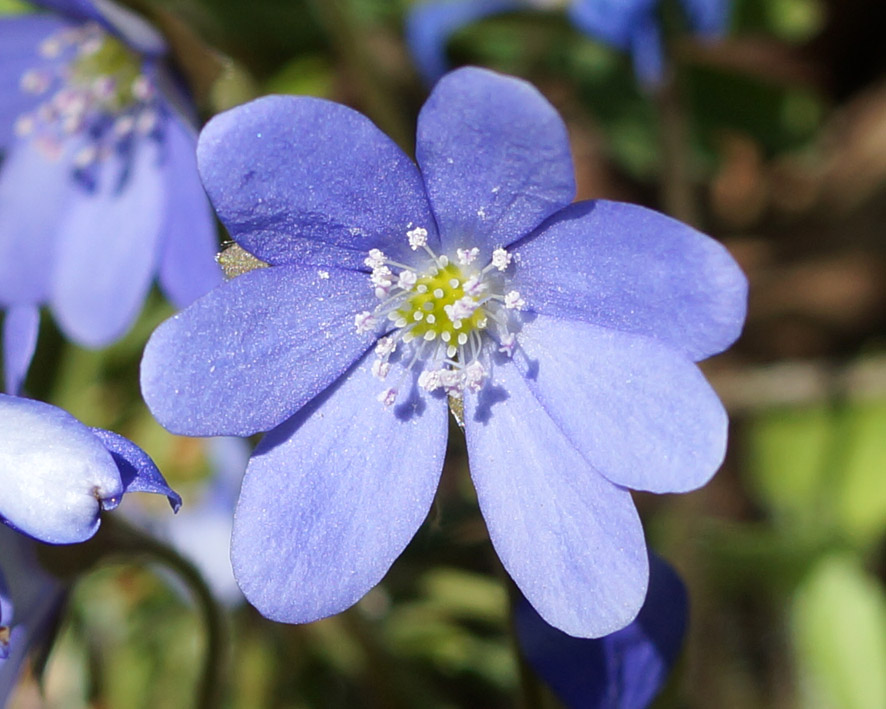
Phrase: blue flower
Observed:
(628, 25)
(57, 474)
(564, 334)
(624, 670)
(99, 189)
(29, 606)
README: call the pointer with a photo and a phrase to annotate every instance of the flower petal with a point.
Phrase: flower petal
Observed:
(20, 37)
(187, 262)
(334, 495)
(245, 357)
(610, 21)
(429, 26)
(569, 538)
(53, 471)
(137, 471)
(36, 192)
(647, 51)
(20, 329)
(107, 248)
(629, 268)
(304, 179)
(37, 599)
(624, 670)
(495, 158)
(708, 17)
(640, 413)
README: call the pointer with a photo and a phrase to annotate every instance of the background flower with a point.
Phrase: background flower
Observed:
(58, 474)
(629, 25)
(600, 393)
(98, 189)
(624, 670)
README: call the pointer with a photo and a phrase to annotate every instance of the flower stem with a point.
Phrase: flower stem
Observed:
(677, 194)
(117, 538)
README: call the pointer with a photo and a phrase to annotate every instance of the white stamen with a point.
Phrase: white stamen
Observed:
(475, 375)
(501, 259)
(508, 344)
(406, 280)
(385, 346)
(376, 259)
(418, 237)
(474, 286)
(467, 256)
(380, 369)
(513, 301)
(34, 81)
(388, 397)
(364, 322)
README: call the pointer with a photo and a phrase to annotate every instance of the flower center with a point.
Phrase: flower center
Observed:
(443, 316)
(95, 91)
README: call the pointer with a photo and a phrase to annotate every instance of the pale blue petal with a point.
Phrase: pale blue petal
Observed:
(36, 192)
(53, 471)
(495, 157)
(21, 326)
(137, 471)
(187, 263)
(107, 248)
(629, 268)
(640, 412)
(247, 355)
(20, 37)
(332, 497)
(570, 539)
(429, 25)
(300, 179)
(623, 670)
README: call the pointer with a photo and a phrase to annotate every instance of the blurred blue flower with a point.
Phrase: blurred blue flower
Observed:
(58, 474)
(627, 25)
(565, 334)
(624, 670)
(29, 606)
(99, 189)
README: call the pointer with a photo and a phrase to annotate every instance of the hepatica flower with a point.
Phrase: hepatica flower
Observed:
(98, 189)
(623, 670)
(564, 333)
(57, 474)
(627, 25)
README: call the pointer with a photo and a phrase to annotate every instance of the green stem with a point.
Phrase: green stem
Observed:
(677, 193)
(118, 538)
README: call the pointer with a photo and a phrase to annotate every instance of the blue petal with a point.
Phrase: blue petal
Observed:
(54, 472)
(647, 51)
(430, 25)
(569, 538)
(187, 263)
(36, 192)
(137, 471)
(641, 413)
(247, 355)
(108, 248)
(624, 670)
(629, 268)
(495, 158)
(19, 39)
(332, 497)
(708, 17)
(37, 599)
(134, 30)
(303, 179)
(20, 329)
(610, 21)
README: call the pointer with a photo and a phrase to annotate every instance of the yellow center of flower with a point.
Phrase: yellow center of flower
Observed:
(113, 62)
(440, 308)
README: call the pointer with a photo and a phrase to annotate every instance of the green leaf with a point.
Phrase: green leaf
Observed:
(839, 631)
(860, 502)
(787, 454)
